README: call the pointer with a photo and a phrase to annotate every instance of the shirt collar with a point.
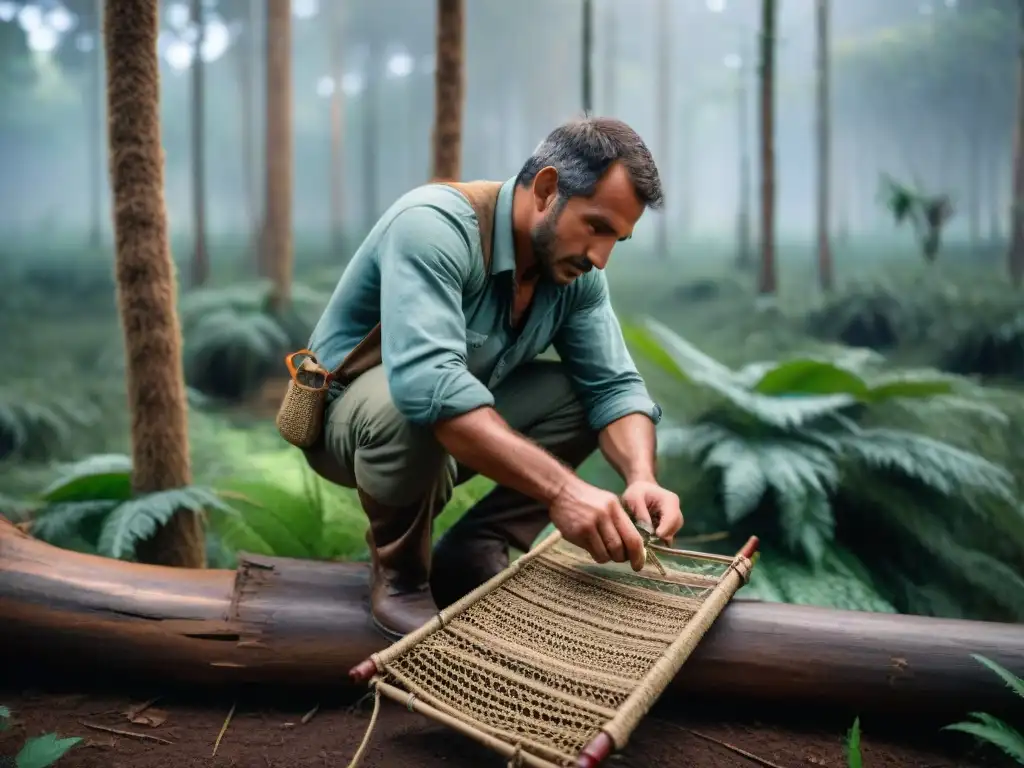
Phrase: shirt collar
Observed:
(503, 255)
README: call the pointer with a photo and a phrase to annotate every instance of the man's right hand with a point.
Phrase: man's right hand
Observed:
(595, 520)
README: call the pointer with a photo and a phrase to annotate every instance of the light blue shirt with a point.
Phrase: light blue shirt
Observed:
(447, 339)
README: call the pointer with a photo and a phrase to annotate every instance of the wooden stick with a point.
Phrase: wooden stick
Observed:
(310, 715)
(731, 747)
(224, 728)
(129, 734)
(138, 709)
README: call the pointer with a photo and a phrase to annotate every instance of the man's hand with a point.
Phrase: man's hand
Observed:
(653, 504)
(595, 520)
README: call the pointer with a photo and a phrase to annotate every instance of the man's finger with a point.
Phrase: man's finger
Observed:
(596, 548)
(612, 540)
(637, 505)
(670, 518)
(631, 539)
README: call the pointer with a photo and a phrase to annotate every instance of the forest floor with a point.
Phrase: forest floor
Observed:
(179, 733)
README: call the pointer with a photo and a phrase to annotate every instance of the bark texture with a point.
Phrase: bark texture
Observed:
(278, 239)
(449, 89)
(305, 624)
(146, 283)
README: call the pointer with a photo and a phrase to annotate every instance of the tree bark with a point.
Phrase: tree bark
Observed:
(587, 55)
(243, 59)
(663, 102)
(337, 214)
(449, 87)
(767, 284)
(279, 149)
(305, 624)
(743, 239)
(611, 58)
(824, 130)
(1015, 256)
(200, 257)
(94, 133)
(146, 285)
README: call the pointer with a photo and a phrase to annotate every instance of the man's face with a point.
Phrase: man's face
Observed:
(571, 237)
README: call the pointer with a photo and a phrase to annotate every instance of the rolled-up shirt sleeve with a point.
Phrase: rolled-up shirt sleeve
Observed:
(591, 345)
(425, 260)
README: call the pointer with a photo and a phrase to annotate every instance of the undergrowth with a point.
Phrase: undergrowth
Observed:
(38, 751)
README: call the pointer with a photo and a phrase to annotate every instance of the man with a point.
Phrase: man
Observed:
(462, 315)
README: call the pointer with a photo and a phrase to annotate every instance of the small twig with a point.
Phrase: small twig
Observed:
(733, 748)
(129, 734)
(137, 710)
(310, 715)
(224, 728)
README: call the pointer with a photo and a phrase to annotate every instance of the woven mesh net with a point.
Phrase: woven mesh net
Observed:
(558, 651)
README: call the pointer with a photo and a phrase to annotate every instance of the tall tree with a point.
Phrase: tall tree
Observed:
(449, 89)
(200, 258)
(337, 63)
(146, 285)
(611, 57)
(663, 101)
(245, 54)
(824, 140)
(587, 51)
(279, 153)
(767, 283)
(1015, 256)
(96, 124)
(744, 256)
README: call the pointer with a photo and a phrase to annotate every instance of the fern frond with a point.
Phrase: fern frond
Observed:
(993, 731)
(137, 519)
(1014, 683)
(936, 465)
(101, 476)
(56, 522)
(808, 524)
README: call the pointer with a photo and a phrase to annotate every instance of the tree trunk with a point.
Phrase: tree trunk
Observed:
(200, 258)
(337, 64)
(1015, 255)
(663, 105)
(767, 283)
(743, 240)
(305, 623)
(146, 289)
(449, 86)
(587, 53)
(823, 130)
(243, 58)
(370, 187)
(611, 57)
(94, 133)
(279, 159)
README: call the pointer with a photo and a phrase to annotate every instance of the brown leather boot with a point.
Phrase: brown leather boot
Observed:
(399, 541)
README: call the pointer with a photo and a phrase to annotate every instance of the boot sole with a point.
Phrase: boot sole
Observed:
(390, 634)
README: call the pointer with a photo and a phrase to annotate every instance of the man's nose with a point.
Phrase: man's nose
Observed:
(598, 257)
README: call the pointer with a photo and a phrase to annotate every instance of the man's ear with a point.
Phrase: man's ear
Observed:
(545, 188)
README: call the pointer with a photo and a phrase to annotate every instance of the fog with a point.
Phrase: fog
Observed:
(904, 101)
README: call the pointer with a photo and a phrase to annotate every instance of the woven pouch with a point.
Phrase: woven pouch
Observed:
(300, 419)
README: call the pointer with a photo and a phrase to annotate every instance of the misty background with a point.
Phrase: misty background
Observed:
(913, 95)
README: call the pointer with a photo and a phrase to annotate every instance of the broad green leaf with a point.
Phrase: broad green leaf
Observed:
(811, 377)
(105, 476)
(44, 751)
(641, 340)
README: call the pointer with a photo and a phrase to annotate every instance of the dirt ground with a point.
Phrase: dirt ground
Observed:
(174, 733)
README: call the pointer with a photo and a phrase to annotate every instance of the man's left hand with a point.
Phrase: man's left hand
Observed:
(657, 506)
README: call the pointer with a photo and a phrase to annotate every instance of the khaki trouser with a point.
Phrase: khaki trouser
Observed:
(369, 445)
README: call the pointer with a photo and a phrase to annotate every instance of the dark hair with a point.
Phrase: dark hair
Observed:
(582, 150)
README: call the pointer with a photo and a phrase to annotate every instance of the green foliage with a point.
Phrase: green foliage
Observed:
(234, 340)
(40, 751)
(792, 451)
(91, 508)
(991, 729)
(35, 426)
(853, 756)
(927, 213)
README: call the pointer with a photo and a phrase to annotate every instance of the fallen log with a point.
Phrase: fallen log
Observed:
(279, 621)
